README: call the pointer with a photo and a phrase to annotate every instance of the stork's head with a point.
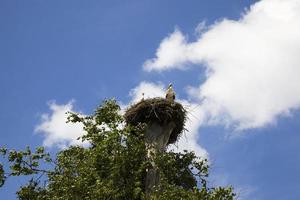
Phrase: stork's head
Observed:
(170, 85)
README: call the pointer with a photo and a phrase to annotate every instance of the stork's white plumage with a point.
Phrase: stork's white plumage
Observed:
(143, 98)
(170, 94)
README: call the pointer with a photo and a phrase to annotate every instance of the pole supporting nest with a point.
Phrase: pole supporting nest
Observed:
(165, 123)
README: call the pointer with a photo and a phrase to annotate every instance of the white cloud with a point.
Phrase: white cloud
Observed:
(189, 140)
(252, 64)
(150, 90)
(243, 192)
(61, 134)
(55, 129)
(246, 192)
(171, 53)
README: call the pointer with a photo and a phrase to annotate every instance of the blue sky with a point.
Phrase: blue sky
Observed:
(238, 73)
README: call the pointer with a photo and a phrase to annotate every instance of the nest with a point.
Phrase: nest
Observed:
(158, 110)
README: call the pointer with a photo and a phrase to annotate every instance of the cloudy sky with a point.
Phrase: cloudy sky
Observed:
(235, 66)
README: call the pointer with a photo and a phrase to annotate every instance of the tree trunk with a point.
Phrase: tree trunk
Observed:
(156, 138)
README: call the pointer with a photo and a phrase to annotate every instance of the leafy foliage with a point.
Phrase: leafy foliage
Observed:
(113, 166)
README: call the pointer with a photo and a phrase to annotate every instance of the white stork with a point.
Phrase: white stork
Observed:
(170, 94)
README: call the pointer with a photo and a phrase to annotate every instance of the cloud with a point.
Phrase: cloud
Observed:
(189, 140)
(172, 52)
(243, 192)
(150, 90)
(252, 64)
(55, 129)
(61, 134)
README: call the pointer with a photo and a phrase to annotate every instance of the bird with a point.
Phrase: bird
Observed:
(143, 96)
(170, 94)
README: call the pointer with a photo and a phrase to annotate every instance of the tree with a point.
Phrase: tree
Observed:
(113, 166)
